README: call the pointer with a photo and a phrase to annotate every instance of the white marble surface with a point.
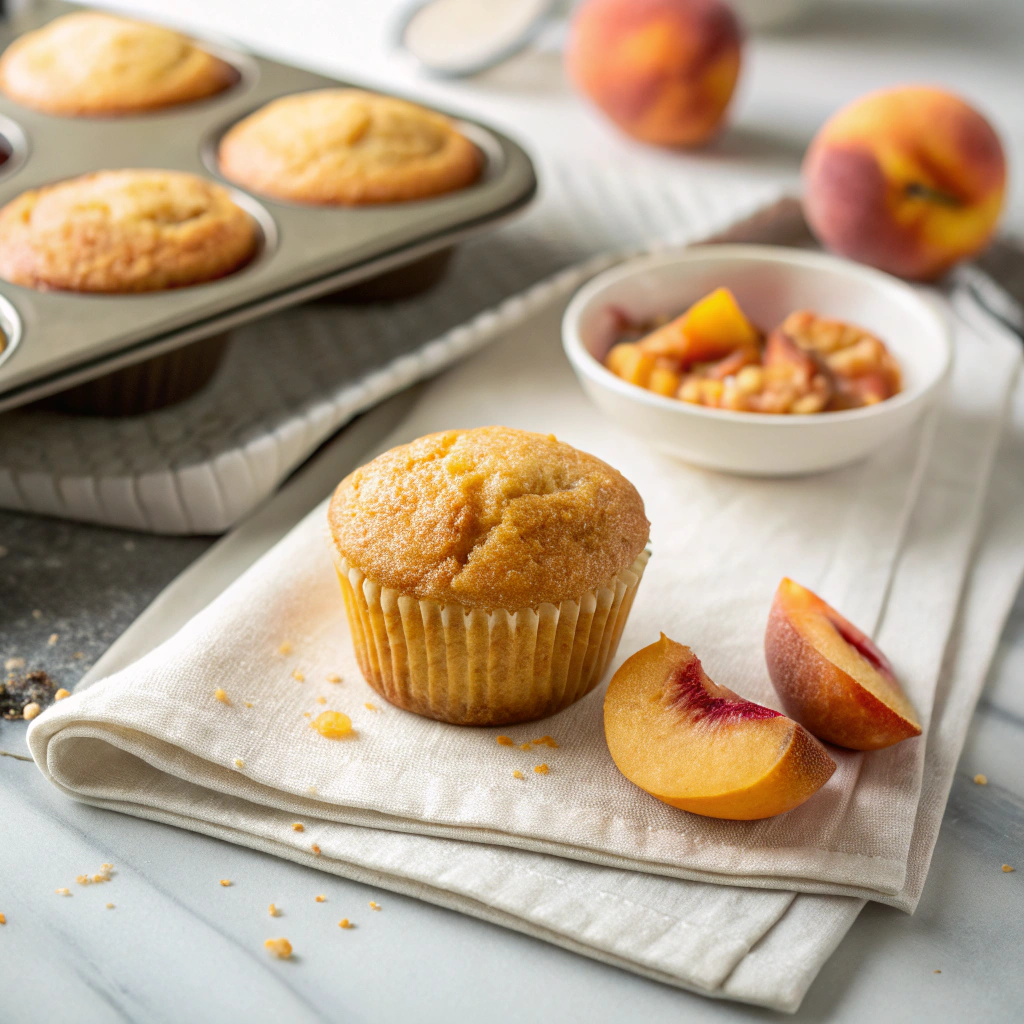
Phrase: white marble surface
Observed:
(178, 946)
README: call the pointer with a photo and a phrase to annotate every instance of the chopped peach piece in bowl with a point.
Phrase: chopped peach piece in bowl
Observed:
(756, 359)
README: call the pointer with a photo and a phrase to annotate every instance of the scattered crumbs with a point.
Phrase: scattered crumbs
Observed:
(311, 790)
(100, 876)
(504, 741)
(225, 882)
(285, 648)
(107, 867)
(248, 703)
(315, 849)
(298, 676)
(517, 774)
(333, 725)
(14, 663)
(306, 714)
(374, 906)
(221, 696)
(37, 613)
(371, 707)
(61, 694)
(936, 972)
(53, 639)
(281, 948)
(273, 910)
(321, 899)
(546, 741)
(344, 923)
(3, 920)
(297, 826)
(18, 691)
(1007, 869)
(30, 711)
(110, 906)
(63, 892)
(524, 746)
(540, 769)
(981, 780)
(78, 655)
(321, 700)
(334, 678)
(239, 763)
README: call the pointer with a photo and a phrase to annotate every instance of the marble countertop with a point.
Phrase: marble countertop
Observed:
(176, 945)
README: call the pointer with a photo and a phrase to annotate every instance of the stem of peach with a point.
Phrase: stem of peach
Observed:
(918, 190)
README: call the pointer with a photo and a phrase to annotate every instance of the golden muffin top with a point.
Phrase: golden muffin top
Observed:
(346, 147)
(124, 231)
(489, 518)
(91, 64)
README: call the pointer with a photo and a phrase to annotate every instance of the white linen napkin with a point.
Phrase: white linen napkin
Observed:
(889, 542)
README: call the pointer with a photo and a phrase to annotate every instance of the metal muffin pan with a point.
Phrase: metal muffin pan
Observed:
(56, 339)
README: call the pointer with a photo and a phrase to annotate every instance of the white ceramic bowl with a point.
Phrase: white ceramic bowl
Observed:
(770, 282)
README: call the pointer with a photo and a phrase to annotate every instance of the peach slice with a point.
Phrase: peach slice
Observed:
(701, 747)
(831, 677)
(710, 329)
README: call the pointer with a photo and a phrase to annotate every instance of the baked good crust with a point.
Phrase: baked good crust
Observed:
(488, 518)
(347, 147)
(124, 231)
(92, 64)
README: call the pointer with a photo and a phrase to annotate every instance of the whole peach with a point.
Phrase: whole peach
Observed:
(909, 180)
(662, 70)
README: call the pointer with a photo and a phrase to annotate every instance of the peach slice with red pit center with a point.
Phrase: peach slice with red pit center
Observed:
(831, 677)
(700, 746)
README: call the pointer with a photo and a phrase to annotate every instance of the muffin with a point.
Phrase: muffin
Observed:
(487, 574)
(98, 65)
(124, 231)
(347, 147)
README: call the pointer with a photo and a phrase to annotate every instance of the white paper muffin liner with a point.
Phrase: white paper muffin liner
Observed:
(474, 666)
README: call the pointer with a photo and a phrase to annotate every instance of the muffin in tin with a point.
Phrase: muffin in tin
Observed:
(91, 64)
(487, 574)
(124, 231)
(347, 147)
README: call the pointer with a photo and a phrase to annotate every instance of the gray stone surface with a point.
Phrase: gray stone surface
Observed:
(83, 583)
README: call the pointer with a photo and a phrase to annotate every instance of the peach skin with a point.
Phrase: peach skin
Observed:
(909, 180)
(662, 70)
(831, 677)
(699, 746)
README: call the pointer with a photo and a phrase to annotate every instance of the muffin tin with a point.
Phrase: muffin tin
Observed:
(56, 340)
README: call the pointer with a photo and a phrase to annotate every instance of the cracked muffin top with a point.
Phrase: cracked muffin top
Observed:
(91, 64)
(488, 518)
(124, 231)
(347, 147)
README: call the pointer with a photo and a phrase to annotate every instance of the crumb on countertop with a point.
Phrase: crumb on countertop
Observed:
(374, 906)
(225, 882)
(61, 694)
(320, 899)
(345, 923)
(297, 826)
(541, 769)
(981, 780)
(63, 892)
(281, 948)
(273, 910)
(30, 711)
(504, 741)
(221, 696)
(1007, 869)
(110, 906)
(517, 774)
(52, 640)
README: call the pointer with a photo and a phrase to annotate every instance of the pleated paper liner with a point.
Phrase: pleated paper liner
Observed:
(474, 666)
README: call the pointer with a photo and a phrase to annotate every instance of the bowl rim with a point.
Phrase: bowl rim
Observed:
(586, 364)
